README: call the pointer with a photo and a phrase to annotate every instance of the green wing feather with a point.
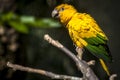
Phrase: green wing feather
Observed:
(98, 47)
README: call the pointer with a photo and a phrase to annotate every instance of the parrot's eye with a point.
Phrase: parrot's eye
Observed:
(61, 9)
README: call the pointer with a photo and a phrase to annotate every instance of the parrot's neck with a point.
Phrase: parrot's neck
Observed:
(66, 17)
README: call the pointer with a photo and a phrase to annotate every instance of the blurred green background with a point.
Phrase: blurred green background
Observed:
(23, 24)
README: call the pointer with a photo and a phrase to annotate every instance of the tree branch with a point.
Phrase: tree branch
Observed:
(88, 74)
(82, 65)
(42, 72)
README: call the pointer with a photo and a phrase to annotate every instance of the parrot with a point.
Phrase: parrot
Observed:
(84, 32)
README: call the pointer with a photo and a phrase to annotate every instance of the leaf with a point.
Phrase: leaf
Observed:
(47, 23)
(21, 23)
(8, 16)
(19, 26)
(41, 23)
(27, 19)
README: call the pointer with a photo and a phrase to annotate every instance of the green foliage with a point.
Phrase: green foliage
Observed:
(22, 23)
(42, 23)
(19, 26)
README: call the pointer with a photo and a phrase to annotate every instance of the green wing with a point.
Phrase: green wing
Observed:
(98, 47)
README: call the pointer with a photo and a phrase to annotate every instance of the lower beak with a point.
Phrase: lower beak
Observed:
(55, 14)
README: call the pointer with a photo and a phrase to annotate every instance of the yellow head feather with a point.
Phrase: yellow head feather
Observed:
(64, 12)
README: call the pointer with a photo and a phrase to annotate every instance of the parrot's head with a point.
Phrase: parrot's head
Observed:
(64, 12)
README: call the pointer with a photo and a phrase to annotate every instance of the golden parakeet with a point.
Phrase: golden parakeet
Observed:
(84, 31)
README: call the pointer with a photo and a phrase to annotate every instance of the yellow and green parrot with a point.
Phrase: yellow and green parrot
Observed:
(85, 32)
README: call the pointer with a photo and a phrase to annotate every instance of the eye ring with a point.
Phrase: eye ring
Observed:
(62, 9)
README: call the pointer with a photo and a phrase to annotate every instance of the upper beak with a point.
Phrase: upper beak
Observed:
(55, 13)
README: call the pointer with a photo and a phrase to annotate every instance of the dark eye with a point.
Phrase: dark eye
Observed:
(61, 9)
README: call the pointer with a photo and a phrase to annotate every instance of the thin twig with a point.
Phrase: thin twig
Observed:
(88, 74)
(42, 72)
(92, 62)
(112, 77)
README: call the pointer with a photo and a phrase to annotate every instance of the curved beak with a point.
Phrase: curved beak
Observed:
(55, 13)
